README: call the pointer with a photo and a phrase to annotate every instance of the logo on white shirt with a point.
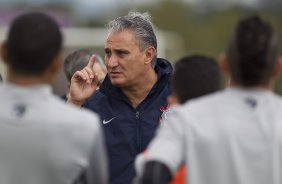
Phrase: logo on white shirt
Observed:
(20, 110)
(106, 122)
(251, 102)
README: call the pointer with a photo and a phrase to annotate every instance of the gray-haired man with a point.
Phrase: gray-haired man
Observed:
(133, 95)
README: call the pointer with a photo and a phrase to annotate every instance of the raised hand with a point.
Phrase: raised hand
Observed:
(83, 83)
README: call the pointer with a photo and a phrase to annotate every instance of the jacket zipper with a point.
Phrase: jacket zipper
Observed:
(137, 116)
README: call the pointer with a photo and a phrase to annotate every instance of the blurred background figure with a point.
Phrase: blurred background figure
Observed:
(78, 59)
(193, 77)
(1, 79)
(42, 139)
(232, 136)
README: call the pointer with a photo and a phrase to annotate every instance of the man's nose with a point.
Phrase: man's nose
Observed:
(113, 61)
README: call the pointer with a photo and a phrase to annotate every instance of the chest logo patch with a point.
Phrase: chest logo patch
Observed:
(165, 111)
(106, 122)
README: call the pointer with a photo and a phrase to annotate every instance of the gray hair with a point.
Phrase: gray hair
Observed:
(141, 24)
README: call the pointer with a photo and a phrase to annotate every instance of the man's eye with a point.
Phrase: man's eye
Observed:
(121, 54)
(107, 54)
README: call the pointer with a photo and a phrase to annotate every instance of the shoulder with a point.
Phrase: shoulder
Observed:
(73, 116)
(202, 108)
(79, 126)
(274, 103)
(204, 103)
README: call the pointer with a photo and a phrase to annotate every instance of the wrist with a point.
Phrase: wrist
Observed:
(74, 102)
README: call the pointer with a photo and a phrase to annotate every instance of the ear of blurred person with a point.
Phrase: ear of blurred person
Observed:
(224, 67)
(173, 100)
(277, 69)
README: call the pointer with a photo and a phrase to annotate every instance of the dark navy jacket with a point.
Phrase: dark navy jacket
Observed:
(128, 130)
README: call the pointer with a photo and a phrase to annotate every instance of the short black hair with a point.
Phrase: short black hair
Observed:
(76, 61)
(195, 76)
(34, 39)
(252, 52)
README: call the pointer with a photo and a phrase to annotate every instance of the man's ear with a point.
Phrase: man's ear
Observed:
(225, 68)
(172, 100)
(4, 52)
(277, 68)
(56, 64)
(223, 63)
(150, 53)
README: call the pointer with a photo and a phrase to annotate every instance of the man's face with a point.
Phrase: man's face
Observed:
(124, 60)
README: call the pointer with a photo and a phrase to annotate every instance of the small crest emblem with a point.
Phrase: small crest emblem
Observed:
(165, 111)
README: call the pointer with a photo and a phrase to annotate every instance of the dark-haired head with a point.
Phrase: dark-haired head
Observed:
(34, 40)
(252, 52)
(195, 76)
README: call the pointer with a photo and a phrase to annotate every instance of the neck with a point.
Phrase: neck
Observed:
(268, 85)
(27, 80)
(138, 93)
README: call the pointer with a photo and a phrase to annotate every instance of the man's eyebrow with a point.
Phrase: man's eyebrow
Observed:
(118, 50)
(121, 50)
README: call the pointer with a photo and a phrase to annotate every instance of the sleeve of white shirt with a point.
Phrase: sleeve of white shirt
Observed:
(168, 145)
(97, 172)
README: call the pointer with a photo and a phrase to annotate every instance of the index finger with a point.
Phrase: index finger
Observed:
(91, 61)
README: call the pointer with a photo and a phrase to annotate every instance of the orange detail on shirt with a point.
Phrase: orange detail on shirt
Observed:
(179, 177)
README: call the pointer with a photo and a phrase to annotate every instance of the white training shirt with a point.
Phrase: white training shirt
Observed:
(230, 137)
(45, 141)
